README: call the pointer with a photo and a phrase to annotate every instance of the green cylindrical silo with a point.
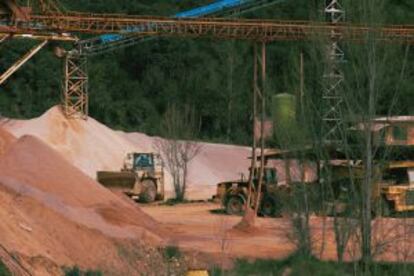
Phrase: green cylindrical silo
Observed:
(284, 119)
(284, 110)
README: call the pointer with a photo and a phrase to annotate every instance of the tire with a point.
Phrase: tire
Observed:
(270, 207)
(234, 205)
(386, 208)
(149, 191)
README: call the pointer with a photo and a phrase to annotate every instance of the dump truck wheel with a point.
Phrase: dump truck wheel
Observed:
(235, 205)
(270, 207)
(149, 192)
(386, 210)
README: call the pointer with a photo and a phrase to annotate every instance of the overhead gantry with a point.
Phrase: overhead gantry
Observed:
(11, 15)
(53, 22)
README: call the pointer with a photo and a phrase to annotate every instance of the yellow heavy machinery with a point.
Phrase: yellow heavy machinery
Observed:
(233, 194)
(398, 190)
(392, 191)
(141, 178)
(392, 187)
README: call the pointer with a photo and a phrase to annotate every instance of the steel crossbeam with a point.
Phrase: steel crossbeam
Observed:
(257, 30)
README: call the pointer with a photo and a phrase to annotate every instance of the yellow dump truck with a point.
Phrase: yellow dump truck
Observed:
(141, 177)
(392, 188)
(392, 191)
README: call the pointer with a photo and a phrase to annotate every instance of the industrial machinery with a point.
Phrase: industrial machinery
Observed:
(128, 28)
(392, 188)
(76, 76)
(392, 191)
(141, 178)
(131, 36)
(397, 191)
(233, 194)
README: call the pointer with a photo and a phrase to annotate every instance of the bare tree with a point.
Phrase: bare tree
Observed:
(372, 66)
(179, 127)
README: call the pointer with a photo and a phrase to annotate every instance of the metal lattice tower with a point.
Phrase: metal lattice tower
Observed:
(333, 76)
(75, 90)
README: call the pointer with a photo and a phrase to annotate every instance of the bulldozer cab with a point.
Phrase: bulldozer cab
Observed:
(143, 162)
(269, 176)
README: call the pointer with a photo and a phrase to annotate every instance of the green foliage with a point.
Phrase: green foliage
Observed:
(171, 252)
(76, 271)
(3, 270)
(297, 265)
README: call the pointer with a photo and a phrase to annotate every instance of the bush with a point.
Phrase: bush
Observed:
(297, 265)
(171, 252)
(4, 270)
(75, 271)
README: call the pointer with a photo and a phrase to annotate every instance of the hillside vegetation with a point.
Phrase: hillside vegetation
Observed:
(131, 88)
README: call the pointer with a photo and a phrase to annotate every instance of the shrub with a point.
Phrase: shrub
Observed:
(4, 270)
(171, 252)
(297, 265)
(76, 271)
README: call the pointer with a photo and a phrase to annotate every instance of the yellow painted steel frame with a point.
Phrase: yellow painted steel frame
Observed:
(397, 194)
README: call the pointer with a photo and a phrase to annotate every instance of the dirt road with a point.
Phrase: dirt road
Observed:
(203, 227)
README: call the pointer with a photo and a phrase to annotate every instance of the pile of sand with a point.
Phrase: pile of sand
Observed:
(6, 139)
(91, 146)
(214, 163)
(53, 215)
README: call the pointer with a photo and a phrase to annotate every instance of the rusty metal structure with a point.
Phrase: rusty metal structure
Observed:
(75, 90)
(21, 61)
(333, 77)
(48, 19)
(16, 14)
(256, 30)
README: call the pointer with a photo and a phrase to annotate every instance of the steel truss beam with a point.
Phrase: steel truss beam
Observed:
(216, 28)
(3, 38)
(37, 36)
(95, 45)
(332, 116)
(21, 62)
(75, 90)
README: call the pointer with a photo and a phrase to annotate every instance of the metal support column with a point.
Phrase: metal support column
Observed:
(21, 61)
(261, 91)
(3, 38)
(75, 90)
(333, 77)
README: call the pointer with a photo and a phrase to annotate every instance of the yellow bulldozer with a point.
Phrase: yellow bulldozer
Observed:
(141, 177)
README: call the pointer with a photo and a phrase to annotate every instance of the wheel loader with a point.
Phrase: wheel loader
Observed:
(141, 177)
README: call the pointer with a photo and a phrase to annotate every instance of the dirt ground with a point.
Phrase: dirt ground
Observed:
(204, 227)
